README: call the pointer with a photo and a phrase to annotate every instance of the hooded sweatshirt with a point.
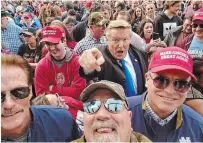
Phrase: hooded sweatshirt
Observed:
(66, 80)
(163, 24)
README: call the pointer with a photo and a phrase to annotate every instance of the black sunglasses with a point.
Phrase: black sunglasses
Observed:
(194, 25)
(113, 105)
(162, 82)
(17, 93)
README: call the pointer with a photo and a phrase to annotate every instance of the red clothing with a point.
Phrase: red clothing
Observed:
(66, 81)
(147, 41)
(71, 44)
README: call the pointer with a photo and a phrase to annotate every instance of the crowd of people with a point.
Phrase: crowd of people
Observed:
(102, 71)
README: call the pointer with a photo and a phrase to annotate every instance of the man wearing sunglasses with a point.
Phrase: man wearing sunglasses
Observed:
(21, 122)
(159, 113)
(106, 116)
(196, 46)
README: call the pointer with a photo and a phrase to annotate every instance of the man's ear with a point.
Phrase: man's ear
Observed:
(147, 79)
(30, 95)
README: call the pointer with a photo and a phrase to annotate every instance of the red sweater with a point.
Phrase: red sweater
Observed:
(66, 80)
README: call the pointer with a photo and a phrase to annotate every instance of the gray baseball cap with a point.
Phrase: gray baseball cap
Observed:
(103, 84)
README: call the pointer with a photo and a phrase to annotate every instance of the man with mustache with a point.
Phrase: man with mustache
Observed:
(118, 62)
(106, 116)
(21, 122)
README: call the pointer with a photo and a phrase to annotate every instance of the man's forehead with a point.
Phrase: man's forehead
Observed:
(13, 78)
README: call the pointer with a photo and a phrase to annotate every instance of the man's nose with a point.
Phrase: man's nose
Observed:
(8, 102)
(102, 114)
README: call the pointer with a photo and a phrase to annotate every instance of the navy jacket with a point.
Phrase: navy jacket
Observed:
(52, 124)
(189, 124)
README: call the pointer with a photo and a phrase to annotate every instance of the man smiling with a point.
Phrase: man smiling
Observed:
(160, 114)
(106, 115)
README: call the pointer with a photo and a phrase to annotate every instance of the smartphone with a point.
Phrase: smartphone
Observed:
(155, 36)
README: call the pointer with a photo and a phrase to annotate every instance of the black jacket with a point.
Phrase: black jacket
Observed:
(161, 20)
(112, 71)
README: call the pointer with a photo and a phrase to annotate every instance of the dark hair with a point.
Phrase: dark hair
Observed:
(197, 65)
(68, 5)
(96, 7)
(169, 3)
(71, 12)
(121, 5)
(125, 13)
(141, 26)
(69, 20)
(134, 16)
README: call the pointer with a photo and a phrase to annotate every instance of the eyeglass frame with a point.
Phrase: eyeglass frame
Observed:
(103, 102)
(173, 81)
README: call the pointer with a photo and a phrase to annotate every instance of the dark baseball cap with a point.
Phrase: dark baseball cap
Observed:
(29, 31)
(103, 84)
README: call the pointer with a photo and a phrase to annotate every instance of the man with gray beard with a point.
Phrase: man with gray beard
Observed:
(106, 115)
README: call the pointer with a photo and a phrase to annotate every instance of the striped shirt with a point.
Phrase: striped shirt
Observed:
(156, 118)
(88, 43)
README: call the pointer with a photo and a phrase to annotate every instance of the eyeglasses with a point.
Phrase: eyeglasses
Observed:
(194, 25)
(60, 102)
(17, 93)
(111, 104)
(162, 82)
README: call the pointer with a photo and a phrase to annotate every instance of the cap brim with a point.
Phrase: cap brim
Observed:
(51, 40)
(169, 67)
(27, 33)
(197, 18)
(91, 88)
(102, 22)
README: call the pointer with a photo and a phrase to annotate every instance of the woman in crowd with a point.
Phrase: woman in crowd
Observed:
(146, 33)
(150, 11)
(137, 15)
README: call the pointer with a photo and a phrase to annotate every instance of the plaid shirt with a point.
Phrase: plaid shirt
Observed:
(156, 118)
(88, 43)
(10, 37)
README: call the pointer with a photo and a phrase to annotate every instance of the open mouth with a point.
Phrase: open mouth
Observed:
(105, 130)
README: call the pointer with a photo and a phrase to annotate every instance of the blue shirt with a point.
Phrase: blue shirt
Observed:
(188, 124)
(10, 37)
(196, 48)
(52, 124)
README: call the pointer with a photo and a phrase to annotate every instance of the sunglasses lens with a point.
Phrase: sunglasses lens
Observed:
(20, 93)
(3, 97)
(160, 82)
(194, 25)
(92, 106)
(201, 25)
(114, 105)
(182, 86)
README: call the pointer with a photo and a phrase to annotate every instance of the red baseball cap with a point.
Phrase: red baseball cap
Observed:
(198, 15)
(171, 58)
(26, 15)
(88, 4)
(52, 34)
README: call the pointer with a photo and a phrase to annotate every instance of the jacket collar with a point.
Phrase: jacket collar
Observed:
(179, 119)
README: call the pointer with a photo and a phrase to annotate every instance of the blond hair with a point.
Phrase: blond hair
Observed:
(117, 24)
